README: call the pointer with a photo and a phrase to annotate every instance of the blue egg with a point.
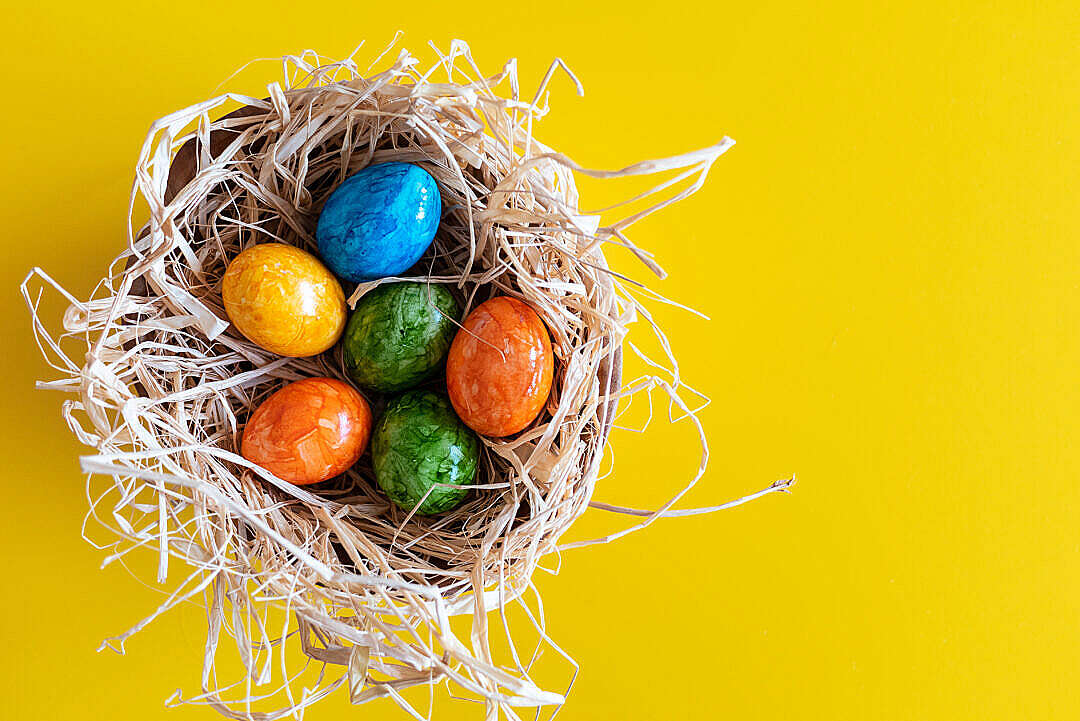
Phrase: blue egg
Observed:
(379, 221)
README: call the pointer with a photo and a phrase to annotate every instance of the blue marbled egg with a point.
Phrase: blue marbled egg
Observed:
(379, 221)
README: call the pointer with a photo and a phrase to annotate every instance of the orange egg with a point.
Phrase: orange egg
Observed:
(284, 300)
(499, 370)
(308, 431)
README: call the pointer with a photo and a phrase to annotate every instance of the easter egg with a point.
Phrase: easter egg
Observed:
(308, 431)
(499, 369)
(419, 443)
(398, 335)
(284, 300)
(379, 221)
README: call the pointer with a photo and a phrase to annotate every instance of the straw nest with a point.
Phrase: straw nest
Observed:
(163, 386)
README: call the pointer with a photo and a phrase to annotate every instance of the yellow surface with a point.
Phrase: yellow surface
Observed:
(890, 260)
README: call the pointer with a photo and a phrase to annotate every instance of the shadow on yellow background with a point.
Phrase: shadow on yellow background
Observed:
(889, 258)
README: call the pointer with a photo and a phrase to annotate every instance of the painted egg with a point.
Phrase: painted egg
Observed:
(284, 300)
(379, 221)
(499, 369)
(398, 335)
(419, 443)
(308, 431)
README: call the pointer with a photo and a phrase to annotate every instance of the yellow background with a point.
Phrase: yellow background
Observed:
(889, 258)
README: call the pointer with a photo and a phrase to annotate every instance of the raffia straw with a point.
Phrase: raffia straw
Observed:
(161, 386)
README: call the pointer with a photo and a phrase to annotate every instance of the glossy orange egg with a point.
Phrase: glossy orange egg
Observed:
(308, 431)
(499, 370)
(284, 300)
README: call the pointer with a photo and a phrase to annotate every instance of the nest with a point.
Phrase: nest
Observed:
(366, 592)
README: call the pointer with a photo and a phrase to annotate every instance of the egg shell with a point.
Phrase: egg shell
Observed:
(284, 300)
(500, 366)
(308, 431)
(398, 335)
(419, 443)
(379, 221)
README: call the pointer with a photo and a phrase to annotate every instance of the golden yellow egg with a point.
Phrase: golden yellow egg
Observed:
(284, 300)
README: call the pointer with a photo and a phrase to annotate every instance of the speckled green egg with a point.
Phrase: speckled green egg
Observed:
(398, 335)
(420, 442)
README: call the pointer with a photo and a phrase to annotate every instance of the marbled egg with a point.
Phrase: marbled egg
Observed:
(284, 300)
(419, 443)
(398, 335)
(308, 431)
(499, 369)
(379, 221)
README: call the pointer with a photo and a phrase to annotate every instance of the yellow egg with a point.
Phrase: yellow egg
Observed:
(284, 300)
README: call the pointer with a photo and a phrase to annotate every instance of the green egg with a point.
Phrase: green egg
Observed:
(399, 335)
(420, 442)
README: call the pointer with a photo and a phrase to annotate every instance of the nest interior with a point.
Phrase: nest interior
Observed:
(163, 385)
